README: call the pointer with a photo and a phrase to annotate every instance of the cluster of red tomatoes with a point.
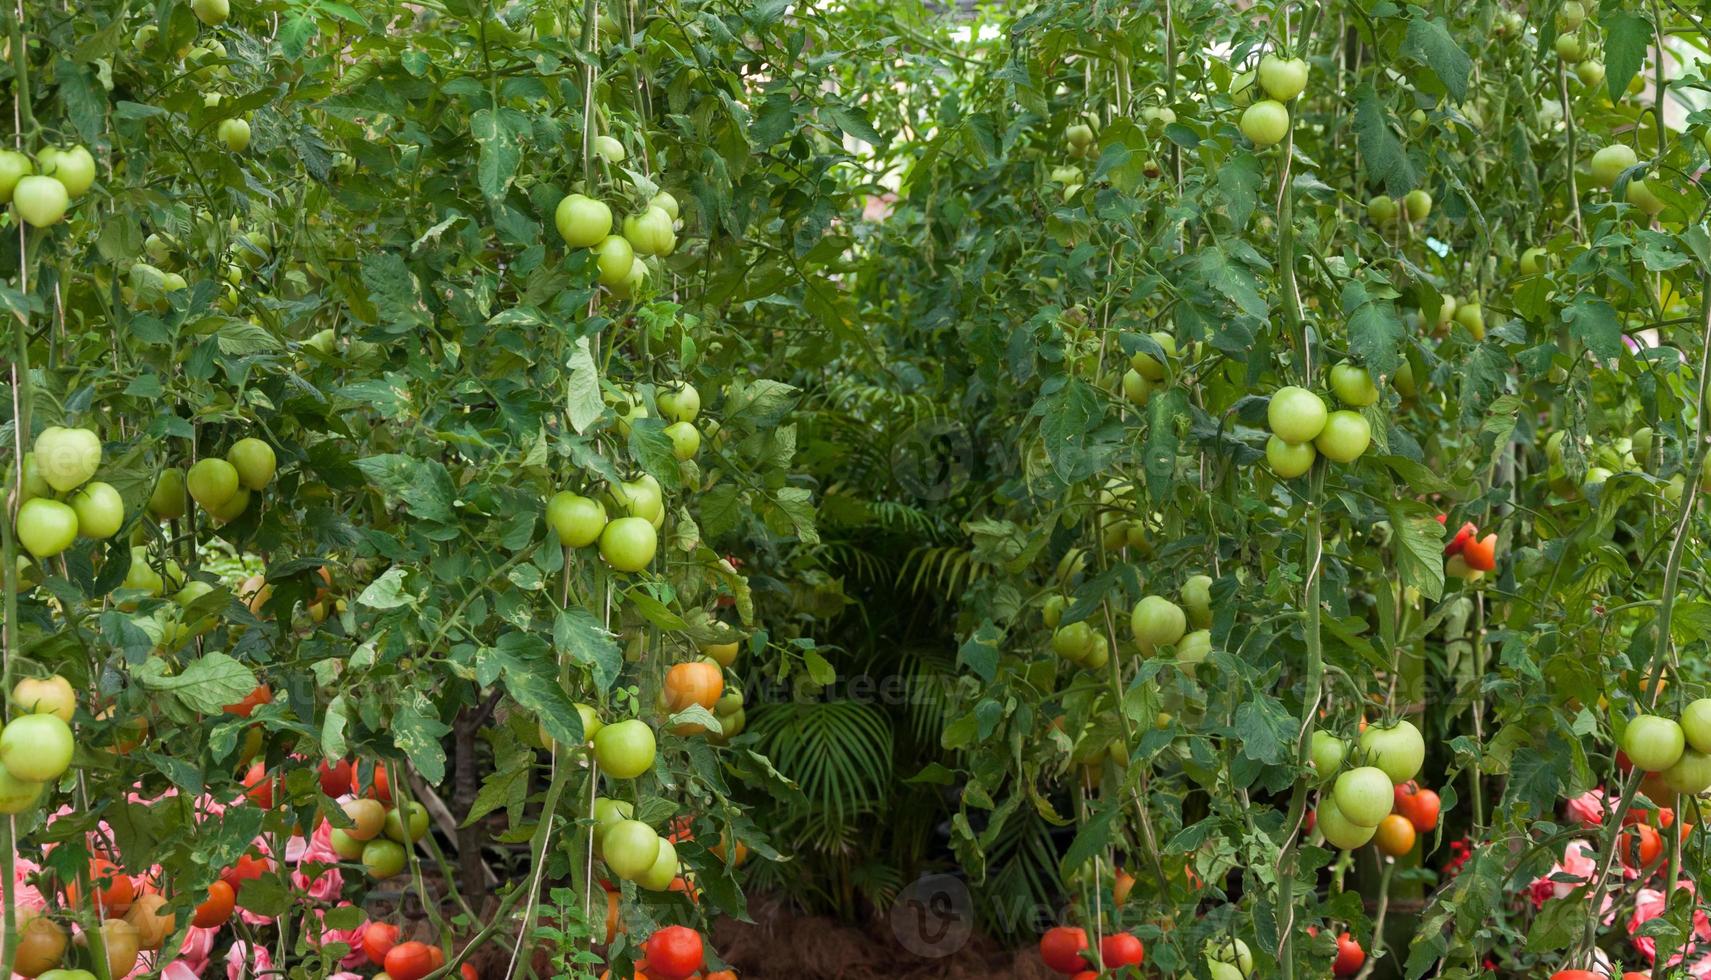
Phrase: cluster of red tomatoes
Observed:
(1065, 950)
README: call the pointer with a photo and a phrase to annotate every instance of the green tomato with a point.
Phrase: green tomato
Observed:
(659, 875)
(17, 795)
(1381, 209)
(1472, 317)
(72, 166)
(1418, 204)
(628, 544)
(40, 201)
(1051, 611)
(1571, 15)
(1345, 436)
(14, 166)
(608, 813)
(46, 527)
(1534, 261)
(233, 508)
(1609, 163)
(418, 823)
(235, 133)
(1363, 795)
(679, 402)
(167, 501)
(615, 257)
(1691, 774)
(625, 749)
(1295, 414)
(1642, 197)
(1078, 135)
(1265, 123)
(141, 575)
(1232, 952)
(582, 221)
(685, 439)
(650, 233)
(36, 748)
(346, 846)
(1146, 364)
(1352, 384)
(665, 202)
(383, 858)
(1282, 78)
(641, 497)
(211, 12)
(609, 149)
(1194, 647)
(630, 848)
(254, 462)
(1327, 753)
(1289, 460)
(1696, 724)
(1197, 600)
(576, 520)
(1399, 750)
(1570, 48)
(1156, 622)
(66, 457)
(1339, 831)
(1651, 742)
(1136, 388)
(1074, 641)
(213, 482)
(100, 510)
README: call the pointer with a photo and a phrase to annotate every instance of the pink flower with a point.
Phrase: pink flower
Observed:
(259, 961)
(1649, 903)
(315, 921)
(1588, 809)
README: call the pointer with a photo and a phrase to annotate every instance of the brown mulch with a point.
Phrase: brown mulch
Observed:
(782, 945)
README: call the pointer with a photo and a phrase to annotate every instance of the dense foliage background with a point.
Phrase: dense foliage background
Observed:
(985, 314)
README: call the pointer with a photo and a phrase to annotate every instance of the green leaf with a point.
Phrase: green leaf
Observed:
(387, 591)
(424, 486)
(1419, 543)
(333, 744)
(650, 447)
(207, 684)
(417, 734)
(577, 634)
(1239, 183)
(1594, 322)
(1380, 150)
(1266, 730)
(1375, 331)
(980, 651)
(496, 134)
(1431, 43)
(853, 121)
(1626, 38)
(583, 403)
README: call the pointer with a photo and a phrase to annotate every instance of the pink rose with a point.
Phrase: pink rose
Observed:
(242, 962)
(1588, 809)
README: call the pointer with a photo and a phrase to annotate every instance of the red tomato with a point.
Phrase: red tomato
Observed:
(1423, 811)
(674, 953)
(1463, 535)
(1062, 947)
(114, 890)
(218, 908)
(1122, 949)
(377, 940)
(1350, 956)
(1085, 975)
(1403, 793)
(246, 869)
(1575, 975)
(1481, 555)
(336, 779)
(260, 791)
(468, 971)
(379, 787)
(255, 699)
(413, 960)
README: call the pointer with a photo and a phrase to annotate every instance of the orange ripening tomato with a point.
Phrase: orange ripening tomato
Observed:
(612, 923)
(693, 683)
(1121, 886)
(722, 975)
(1463, 535)
(114, 890)
(255, 699)
(215, 912)
(1642, 843)
(1395, 836)
(1481, 554)
(378, 938)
